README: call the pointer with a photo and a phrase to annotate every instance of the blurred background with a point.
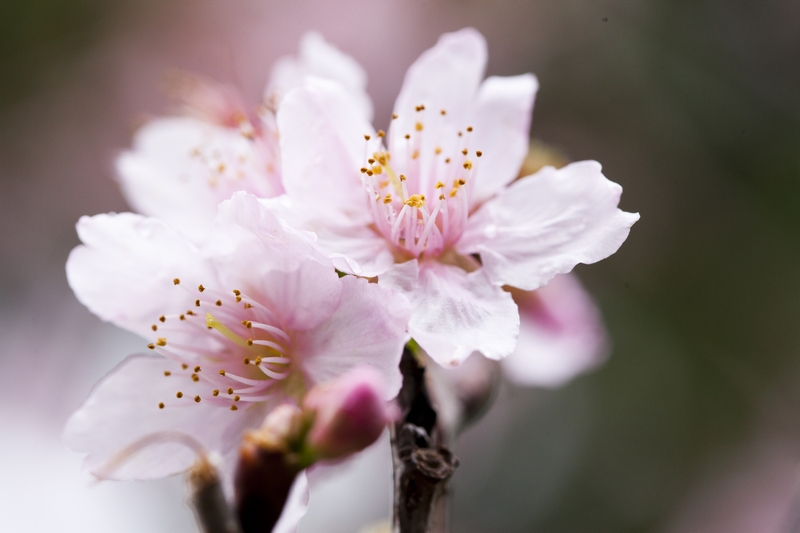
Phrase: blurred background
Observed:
(692, 425)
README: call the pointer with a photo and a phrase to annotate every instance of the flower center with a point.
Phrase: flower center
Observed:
(399, 189)
(238, 353)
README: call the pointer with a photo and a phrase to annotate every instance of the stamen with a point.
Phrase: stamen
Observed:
(160, 405)
(161, 341)
(176, 281)
(197, 399)
(179, 394)
(201, 288)
(167, 373)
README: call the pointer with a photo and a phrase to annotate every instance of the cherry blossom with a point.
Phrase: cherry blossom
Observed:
(431, 208)
(251, 318)
(181, 167)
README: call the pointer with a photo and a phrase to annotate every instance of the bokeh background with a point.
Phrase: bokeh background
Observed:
(693, 425)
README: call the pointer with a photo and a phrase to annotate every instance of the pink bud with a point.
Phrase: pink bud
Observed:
(349, 413)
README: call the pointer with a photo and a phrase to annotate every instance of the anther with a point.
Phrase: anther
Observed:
(257, 361)
(154, 327)
(234, 408)
(402, 177)
(370, 161)
(478, 153)
(201, 288)
(443, 112)
(197, 303)
(221, 372)
(230, 390)
(369, 173)
(469, 128)
(249, 343)
(182, 317)
(447, 160)
(247, 360)
(387, 199)
(453, 193)
(363, 170)
(161, 341)
(377, 169)
(441, 197)
(460, 134)
(415, 200)
(421, 107)
(151, 346)
(197, 399)
(218, 302)
(236, 398)
(437, 151)
(179, 394)
(160, 405)
(162, 318)
(247, 305)
(215, 392)
(176, 281)
(195, 378)
(190, 312)
(167, 373)
(366, 137)
(238, 299)
(381, 133)
(394, 116)
(407, 136)
(465, 151)
(415, 154)
(418, 126)
(439, 185)
(461, 181)
(184, 366)
(468, 165)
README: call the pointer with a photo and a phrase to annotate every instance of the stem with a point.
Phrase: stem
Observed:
(213, 513)
(422, 465)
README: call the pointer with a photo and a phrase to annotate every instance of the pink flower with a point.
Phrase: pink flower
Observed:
(251, 318)
(418, 205)
(180, 168)
(561, 334)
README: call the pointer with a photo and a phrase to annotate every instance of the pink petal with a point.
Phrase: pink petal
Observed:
(547, 223)
(319, 58)
(124, 271)
(295, 507)
(124, 407)
(501, 131)
(272, 263)
(323, 148)
(455, 313)
(368, 328)
(169, 172)
(561, 335)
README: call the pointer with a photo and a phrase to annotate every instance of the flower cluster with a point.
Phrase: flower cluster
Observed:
(282, 250)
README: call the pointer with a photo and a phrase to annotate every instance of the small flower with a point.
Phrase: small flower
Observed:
(430, 207)
(180, 168)
(252, 318)
(561, 334)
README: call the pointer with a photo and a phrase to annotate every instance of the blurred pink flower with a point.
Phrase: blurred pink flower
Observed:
(561, 334)
(180, 168)
(253, 317)
(441, 193)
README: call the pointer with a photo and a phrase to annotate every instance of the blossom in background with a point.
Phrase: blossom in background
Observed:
(430, 207)
(252, 317)
(180, 168)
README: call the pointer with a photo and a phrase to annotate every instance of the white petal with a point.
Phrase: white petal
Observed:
(547, 223)
(123, 408)
(454, 313)
(124, 271)
(173, 171)
(368, 328)
(501, 131)
(356, 249)
(323, 148)
(319, 58)
(561, 335)
(295, 507)
(277, 266)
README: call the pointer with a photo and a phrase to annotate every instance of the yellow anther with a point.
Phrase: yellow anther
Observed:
(415, 200)
(221, 168)
(387, 199)
(195, 378)
(383, 184)
(468, 165)
(418, 126)
(247, 305)
(394, 116)
(237, 292)
(366, 137)
(257, 361)
(197, 399)
(179, 394)
(234, 408)
(154, 327)
(441, 197)
(415, 154)
(453, 193)
(478, 153)
(443, 112)
(238, 299)
(182, 317)
(160, 405)
(176, 281)
(215, 392)
(201, 288)
(465, 151)
(437, 151)
(230, 390)
(236, 398)
(381, 133)
(439, 185)
(447, 160)
(167, 373)
(249, 342)
(402, 177)
(151, 346)
(184, 366)
(197, 369)
(161, 341)
(377, 169)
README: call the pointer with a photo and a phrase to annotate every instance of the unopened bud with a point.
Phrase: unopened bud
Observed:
(349, 413)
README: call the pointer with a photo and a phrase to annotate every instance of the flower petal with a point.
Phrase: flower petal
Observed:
(295, 507)
(180, 168)
(272, 263)
(502, 119)
(547, 223)
(124, 408)
(323, 148)
(561, 335)
(124, 271)
(368, 328)
(454, 313)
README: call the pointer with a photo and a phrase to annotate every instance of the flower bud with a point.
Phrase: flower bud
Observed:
(349, 413)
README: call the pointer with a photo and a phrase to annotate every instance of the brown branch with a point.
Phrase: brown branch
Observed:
(213, 513)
